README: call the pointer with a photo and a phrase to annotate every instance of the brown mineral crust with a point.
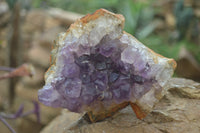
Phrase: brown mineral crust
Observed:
(101, 12)
(140, 114)
(78, 29)
(90, 17)
(99, 116)
(84, 20)
(170, 60)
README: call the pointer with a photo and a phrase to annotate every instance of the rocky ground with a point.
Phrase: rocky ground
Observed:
(177, 112)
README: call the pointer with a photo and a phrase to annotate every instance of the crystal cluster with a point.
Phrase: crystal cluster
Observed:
(96, 66)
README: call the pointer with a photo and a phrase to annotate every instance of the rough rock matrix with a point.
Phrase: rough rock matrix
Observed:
(95, 66)
(177, 112)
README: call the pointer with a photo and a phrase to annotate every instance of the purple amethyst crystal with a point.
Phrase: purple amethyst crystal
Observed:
(95, 65)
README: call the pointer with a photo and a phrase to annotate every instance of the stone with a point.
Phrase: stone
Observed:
(96, 67)
(39, 56)
(32, 24)
(187, 66)
(64, 17)
(69, 120)
(177, 111)
(45, 40)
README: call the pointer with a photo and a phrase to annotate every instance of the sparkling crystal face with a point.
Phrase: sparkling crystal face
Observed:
(101, 77)
(96, 67)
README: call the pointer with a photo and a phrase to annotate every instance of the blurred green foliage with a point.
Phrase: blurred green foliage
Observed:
(184, 18)
(134, 12)
(161, 45)
(139, 21)
(11, 3)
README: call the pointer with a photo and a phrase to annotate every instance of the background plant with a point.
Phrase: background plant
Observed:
(140, 16)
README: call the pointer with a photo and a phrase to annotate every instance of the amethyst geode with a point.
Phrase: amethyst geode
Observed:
(96, 66)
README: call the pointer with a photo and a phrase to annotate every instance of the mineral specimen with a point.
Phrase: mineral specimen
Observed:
(98, 68)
